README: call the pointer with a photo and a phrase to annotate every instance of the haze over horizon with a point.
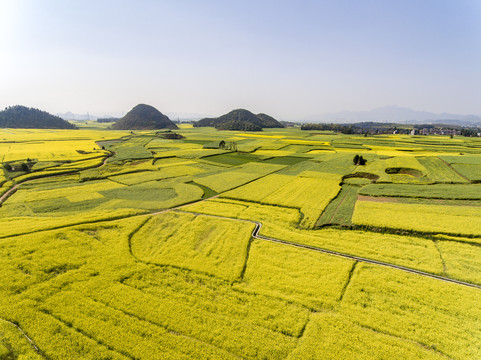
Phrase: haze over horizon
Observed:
(290, 59)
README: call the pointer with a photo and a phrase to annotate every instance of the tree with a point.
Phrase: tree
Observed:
(25, 167)
(359, 160)
(356, 159)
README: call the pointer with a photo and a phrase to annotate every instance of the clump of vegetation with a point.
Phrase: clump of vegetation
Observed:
(171, 135)
(359, 160)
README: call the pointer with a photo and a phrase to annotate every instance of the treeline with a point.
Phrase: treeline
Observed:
(345, 129)
(108, 120)
(29, 118)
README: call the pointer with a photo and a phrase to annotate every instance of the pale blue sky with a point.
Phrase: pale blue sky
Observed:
(290, 59)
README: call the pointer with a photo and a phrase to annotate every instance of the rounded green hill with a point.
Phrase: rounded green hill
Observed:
(240, 119)
(22, 117)
(144, 117)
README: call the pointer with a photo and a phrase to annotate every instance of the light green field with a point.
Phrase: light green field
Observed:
(144, 249)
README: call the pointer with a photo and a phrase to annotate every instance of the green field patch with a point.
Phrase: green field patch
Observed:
(297, 148)
(41, 165)
(470, 171)
(440, 171)
(284, 160)
(212, 245)
(259, 189)
(133, 148)
(61, 190)
(340, 209)
(234, 159)
(232, 178)
(162, 173)
(462, 159)
(339, 165)
(208, 192)
(149, 191)
(434, 191)
(312, 279)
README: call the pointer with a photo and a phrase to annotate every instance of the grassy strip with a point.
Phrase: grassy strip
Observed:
(340, 209)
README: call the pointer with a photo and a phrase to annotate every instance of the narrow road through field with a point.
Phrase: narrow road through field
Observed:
(9, 193)
(255, 235)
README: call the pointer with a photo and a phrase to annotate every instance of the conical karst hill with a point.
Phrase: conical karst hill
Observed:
(144, 117)
(240, 119)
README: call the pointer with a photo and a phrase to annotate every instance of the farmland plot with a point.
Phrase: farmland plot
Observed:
(439, 171)
(434, 191)
(97, 265)
(233, 178)
(464, 220)
(216, 246)
(310, 194)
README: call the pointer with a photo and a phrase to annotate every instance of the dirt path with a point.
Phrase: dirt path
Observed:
(9, 193)
(258, 227)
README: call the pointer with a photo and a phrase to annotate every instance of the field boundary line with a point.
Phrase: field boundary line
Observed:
(86, 334)
(385, 333)
(348, 280)
(165, 327)
(435, 242)
(456, 171)
(31, 342)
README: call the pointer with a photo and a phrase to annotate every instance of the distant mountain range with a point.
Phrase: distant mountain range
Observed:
(395, 114)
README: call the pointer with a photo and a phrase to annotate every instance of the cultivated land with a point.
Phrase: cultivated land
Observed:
(127, 245)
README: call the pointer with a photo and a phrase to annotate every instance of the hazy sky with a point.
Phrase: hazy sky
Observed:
(290, 59)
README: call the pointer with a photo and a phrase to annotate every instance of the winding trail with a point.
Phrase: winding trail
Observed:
(258, 227)
(9, 193)
(255, 235)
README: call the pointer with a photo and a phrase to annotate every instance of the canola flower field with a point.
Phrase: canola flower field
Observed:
(127, 245)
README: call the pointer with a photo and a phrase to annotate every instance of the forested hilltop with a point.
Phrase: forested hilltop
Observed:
(22, 117)
(144, 117)
(240, 119)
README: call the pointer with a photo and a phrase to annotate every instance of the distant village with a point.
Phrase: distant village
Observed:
(374, 128)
